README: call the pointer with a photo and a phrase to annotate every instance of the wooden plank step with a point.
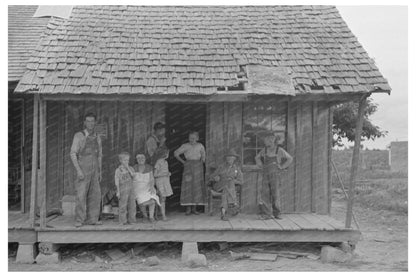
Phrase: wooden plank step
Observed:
(273, 224)
(325, 224)
(287, 224)
(239, 223)
(300, 221)
(338, 225)
(319, 225)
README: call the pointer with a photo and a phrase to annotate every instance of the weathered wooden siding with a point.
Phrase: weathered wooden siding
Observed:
(305, 185)
(128, 126)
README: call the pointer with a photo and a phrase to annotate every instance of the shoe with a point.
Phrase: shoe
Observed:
(195, 212)
(188, 211)
(152, 220)
(164, 218)
(78, 224)
(276, 212)
(97, 223)
(224, 216)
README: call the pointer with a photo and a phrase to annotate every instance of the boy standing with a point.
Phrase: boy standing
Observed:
(123, 178)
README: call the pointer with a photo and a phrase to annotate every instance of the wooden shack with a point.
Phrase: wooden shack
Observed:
(231, 73)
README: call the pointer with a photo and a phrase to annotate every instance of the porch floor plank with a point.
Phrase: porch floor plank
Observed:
(338, 225)
(286, 223)
(317, 224)
(300, 221)
(318, 218)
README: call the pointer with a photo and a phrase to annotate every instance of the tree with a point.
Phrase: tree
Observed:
(345, 116)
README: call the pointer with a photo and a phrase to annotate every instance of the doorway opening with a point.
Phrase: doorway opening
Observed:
(180, 120)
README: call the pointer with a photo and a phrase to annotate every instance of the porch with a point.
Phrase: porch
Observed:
(293, 227)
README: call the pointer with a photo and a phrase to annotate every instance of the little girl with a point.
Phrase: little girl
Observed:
(144, 189)
(162, 179)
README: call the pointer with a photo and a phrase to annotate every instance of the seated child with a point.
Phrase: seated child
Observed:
(123, 179)
(162, 174)
(144, 187)
(226, 176)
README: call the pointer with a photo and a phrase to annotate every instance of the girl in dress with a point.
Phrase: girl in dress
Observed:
(193, 190)
(162, 174)
(144, 187)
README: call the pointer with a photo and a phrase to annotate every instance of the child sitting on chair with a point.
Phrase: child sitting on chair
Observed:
(226, 176)
(162, 174)
(144, 187)
(123, 179)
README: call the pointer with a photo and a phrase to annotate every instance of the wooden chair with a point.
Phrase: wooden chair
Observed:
(214, 195)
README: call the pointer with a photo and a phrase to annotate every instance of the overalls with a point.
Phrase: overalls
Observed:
(127, 203)
(88, 190)
(271, 180)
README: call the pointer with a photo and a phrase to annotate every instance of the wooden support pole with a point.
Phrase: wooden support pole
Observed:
(42, 159)
(330, 139)
(345, 193)
(314, 160)
(355, 159)
(22, 157)
(34, 181)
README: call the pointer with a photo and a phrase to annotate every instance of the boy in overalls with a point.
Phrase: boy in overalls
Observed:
(86, 155)
(272, 159)
(123, 179)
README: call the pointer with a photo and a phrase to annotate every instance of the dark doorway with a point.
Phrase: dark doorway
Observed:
(180, 119)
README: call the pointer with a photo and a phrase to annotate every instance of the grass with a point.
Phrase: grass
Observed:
(384, 194)
(381, 189)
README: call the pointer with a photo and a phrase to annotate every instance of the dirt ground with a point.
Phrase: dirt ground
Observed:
(384, 247)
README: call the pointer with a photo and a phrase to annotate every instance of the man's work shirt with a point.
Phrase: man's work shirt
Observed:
(153, 147)
(79, 143)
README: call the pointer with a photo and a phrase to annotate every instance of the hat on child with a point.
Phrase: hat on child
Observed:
(232, 152)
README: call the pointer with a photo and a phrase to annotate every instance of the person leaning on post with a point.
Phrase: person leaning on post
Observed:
(272, 160)
(86, 156)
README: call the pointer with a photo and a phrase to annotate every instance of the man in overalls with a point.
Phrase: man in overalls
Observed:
(272, 159)
(86, 155)
(155, 144)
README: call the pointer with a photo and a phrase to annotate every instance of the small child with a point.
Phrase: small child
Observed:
(226, 176)
(144, 187)
(162, 179)
(123, 179)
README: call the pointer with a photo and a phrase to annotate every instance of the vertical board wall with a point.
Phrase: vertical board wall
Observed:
(305, 185)
(128, 125)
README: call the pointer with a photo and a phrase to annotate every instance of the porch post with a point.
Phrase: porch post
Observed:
(42, 160)
(34, 181)
(355, 159)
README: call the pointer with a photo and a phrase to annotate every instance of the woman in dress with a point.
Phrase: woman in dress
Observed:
(193, 190)
(144, 187)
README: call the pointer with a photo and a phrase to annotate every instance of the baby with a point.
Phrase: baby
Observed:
(123, 179)
(162, 174)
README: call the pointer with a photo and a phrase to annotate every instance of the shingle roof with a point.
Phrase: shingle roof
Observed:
(24, 35)
(195, 50)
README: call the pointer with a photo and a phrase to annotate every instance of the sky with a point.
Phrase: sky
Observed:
(382, 30)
